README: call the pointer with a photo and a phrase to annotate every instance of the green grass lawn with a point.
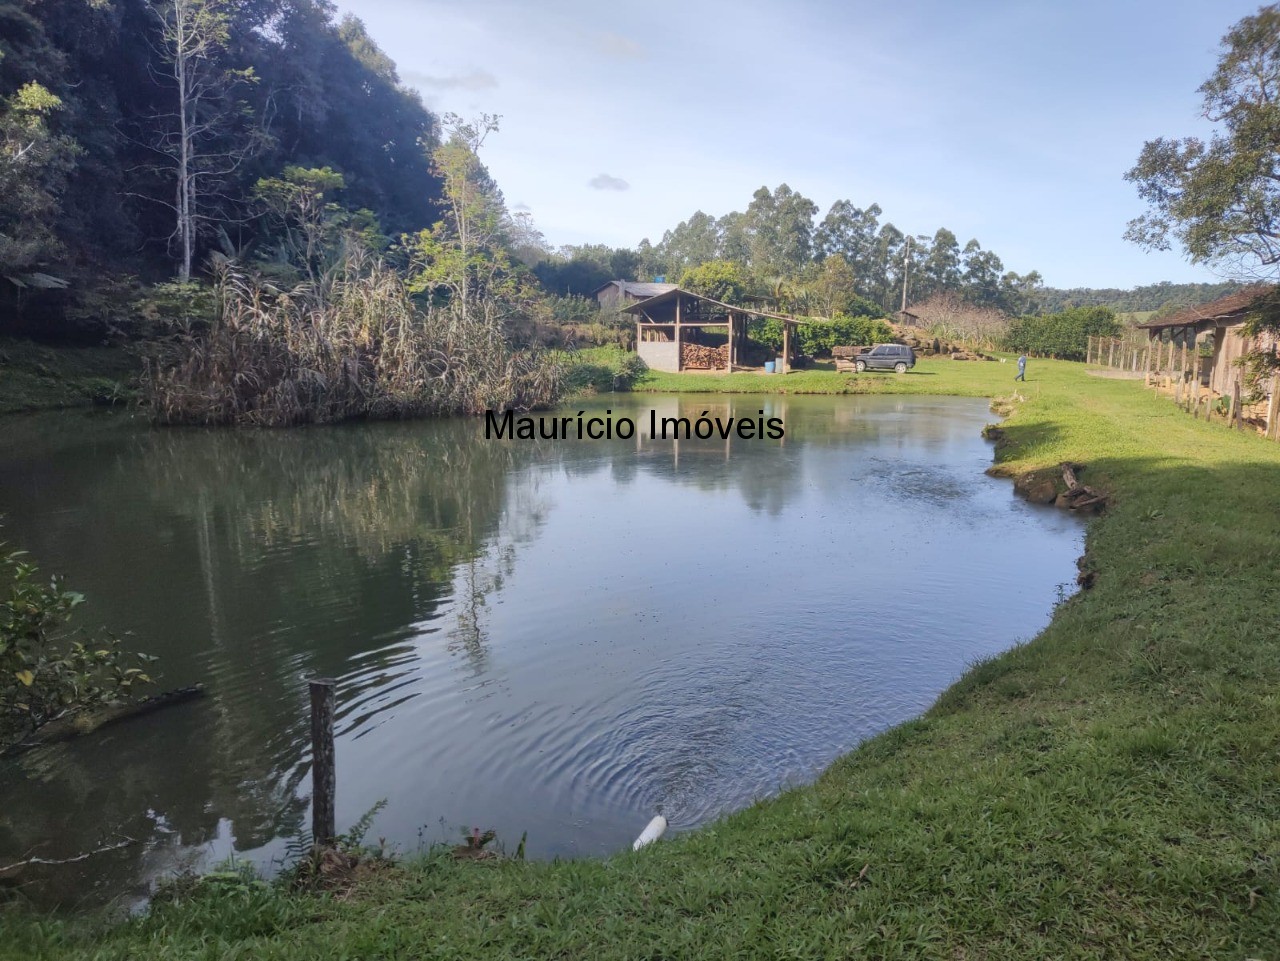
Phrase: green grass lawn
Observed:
(1110, 789)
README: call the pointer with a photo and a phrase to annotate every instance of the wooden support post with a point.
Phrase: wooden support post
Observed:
(323, 773)
(1273, 409)
(1236, 407)
(728, 348)
(786, 346)
(1146, 366)
(1088, 349)
(1111, 355)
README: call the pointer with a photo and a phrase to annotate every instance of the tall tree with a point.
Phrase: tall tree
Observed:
(694, 241)
(34, 162)
(941, 270)
(850, 232)
(1220, 199)
(779, 230)
(982, 272)
(201, 137)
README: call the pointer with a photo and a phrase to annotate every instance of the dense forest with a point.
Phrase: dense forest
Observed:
(134, 136)
(1153, 297)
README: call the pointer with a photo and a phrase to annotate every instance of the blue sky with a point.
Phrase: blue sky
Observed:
(1009, 122)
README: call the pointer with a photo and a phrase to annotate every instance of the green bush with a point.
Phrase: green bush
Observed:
(42, 675)
(603, 369)
(817, 337)
(1064, 335)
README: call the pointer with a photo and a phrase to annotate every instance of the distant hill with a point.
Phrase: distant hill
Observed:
(1140, 299)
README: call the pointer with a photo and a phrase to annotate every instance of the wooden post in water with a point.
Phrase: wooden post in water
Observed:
(323, 773)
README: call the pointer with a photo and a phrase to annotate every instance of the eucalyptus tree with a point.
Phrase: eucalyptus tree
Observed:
(941, 269)
(694, 241)
(850, 232)
(982, 272)
(779, 230)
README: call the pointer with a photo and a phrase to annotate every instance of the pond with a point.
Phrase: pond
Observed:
(541, 637)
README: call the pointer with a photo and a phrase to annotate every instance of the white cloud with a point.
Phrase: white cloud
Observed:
(608, 182)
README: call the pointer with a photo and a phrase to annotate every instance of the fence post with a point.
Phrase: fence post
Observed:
(323, 773)
(1111, 355)
(1273, 409)
(1236, 409)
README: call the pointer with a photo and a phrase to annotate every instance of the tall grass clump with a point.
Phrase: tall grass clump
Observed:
(349, 344)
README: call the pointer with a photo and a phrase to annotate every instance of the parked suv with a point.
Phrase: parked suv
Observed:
(897, 357)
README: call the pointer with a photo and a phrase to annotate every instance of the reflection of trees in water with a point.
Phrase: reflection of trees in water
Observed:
(311, 552)
(271, 556)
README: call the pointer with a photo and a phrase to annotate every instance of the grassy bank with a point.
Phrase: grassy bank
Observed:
(37, 377)
(1107, 790)
(954, 378)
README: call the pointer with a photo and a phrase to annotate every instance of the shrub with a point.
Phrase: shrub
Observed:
(1063, 335)
(819, 336)
(591, 374)
(43, 675)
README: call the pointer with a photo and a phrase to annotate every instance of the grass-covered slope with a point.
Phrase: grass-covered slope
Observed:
(37, 377)
(1109, 790)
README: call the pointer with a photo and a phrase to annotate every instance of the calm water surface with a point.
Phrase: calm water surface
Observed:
(549, 637)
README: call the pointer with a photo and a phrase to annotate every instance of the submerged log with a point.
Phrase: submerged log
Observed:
(70, 726)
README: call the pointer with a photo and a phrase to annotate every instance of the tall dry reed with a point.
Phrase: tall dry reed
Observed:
(351, 345)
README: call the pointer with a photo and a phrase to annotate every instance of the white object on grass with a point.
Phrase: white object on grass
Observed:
(652, 831)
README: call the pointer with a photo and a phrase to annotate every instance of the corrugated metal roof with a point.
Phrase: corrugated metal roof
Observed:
(636, 288)
(675, 291)
(1229, 308)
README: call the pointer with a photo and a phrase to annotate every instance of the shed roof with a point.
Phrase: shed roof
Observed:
(635, 288)
(662, 298)
(1228, 310)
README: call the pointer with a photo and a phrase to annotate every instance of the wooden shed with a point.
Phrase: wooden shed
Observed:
(617, 294)
(1223, 321)
(662, 323)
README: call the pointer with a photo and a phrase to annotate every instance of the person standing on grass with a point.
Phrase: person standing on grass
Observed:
(1022, 368)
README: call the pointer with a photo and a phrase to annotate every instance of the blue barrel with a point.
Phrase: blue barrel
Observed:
(768, 366)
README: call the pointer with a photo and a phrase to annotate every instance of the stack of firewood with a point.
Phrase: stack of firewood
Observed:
(708, 358)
